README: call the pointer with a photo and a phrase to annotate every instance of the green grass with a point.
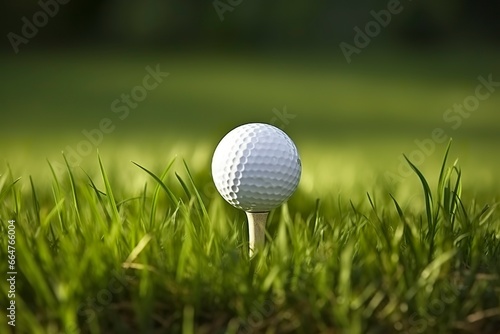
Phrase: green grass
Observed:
(138, 240)
(390, 93)
(97, 255)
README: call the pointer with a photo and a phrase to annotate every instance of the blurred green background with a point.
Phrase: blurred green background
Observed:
(232, 62)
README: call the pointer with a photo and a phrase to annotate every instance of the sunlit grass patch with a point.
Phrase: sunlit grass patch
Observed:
(171, 256)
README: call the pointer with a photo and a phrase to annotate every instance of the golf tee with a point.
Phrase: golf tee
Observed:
(256, 230)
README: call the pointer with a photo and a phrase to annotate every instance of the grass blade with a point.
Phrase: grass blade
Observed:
(36, 203)
(169, 193)
(428, 198)
(159, 185)
(109, 191)
(8, 188)
(196, 192)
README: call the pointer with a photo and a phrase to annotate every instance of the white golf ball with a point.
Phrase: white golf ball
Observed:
(256, 167)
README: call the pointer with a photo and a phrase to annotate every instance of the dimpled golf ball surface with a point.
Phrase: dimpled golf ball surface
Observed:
(256, 167)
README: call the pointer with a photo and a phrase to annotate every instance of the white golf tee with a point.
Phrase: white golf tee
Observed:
(256, 230)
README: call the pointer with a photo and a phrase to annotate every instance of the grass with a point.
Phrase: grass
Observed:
(136, 239)
(96, 256)
(401, 93)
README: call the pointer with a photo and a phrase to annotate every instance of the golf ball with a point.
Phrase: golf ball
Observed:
(256, 167)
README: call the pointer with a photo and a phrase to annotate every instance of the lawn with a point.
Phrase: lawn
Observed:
(125, 232)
